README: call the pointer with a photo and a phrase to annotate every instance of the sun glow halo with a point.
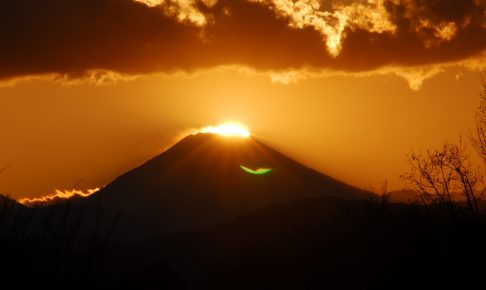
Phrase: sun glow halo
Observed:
(227, 130)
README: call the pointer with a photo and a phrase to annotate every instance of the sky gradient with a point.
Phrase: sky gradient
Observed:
(92, 88)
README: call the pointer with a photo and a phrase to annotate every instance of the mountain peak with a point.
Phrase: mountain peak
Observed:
(227, 130)
(207, 178)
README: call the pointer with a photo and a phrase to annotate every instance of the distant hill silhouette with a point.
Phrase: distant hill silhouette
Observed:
(315, 243)
(198, 183)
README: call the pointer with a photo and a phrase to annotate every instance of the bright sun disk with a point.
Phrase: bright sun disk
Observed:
(227, 130)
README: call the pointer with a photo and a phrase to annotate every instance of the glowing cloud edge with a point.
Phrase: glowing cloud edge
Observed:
(57, 195)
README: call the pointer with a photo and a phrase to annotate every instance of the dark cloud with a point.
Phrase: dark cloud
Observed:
(73, 36)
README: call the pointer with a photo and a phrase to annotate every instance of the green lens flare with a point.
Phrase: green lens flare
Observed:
(259, 171)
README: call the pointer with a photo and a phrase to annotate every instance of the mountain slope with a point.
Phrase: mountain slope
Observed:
(199, 182)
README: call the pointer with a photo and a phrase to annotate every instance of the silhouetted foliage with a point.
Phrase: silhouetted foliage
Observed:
(444, 177)
(479, 138)
(48, 246)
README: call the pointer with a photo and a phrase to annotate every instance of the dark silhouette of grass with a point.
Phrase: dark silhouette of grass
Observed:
(323, 243)
(49, 245)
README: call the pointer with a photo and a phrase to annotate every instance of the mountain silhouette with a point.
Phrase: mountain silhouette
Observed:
(200, 182)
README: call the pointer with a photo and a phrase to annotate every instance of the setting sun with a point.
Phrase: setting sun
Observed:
(227, 130)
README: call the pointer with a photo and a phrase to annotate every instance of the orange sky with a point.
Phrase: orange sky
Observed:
(346, 95)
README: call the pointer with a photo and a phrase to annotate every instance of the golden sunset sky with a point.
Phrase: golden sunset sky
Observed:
(92, 88)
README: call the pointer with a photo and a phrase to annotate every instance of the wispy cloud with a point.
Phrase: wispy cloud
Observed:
(57, 196)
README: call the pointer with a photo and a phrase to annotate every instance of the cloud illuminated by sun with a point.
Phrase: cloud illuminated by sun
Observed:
(227, 130)
(57, 196)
